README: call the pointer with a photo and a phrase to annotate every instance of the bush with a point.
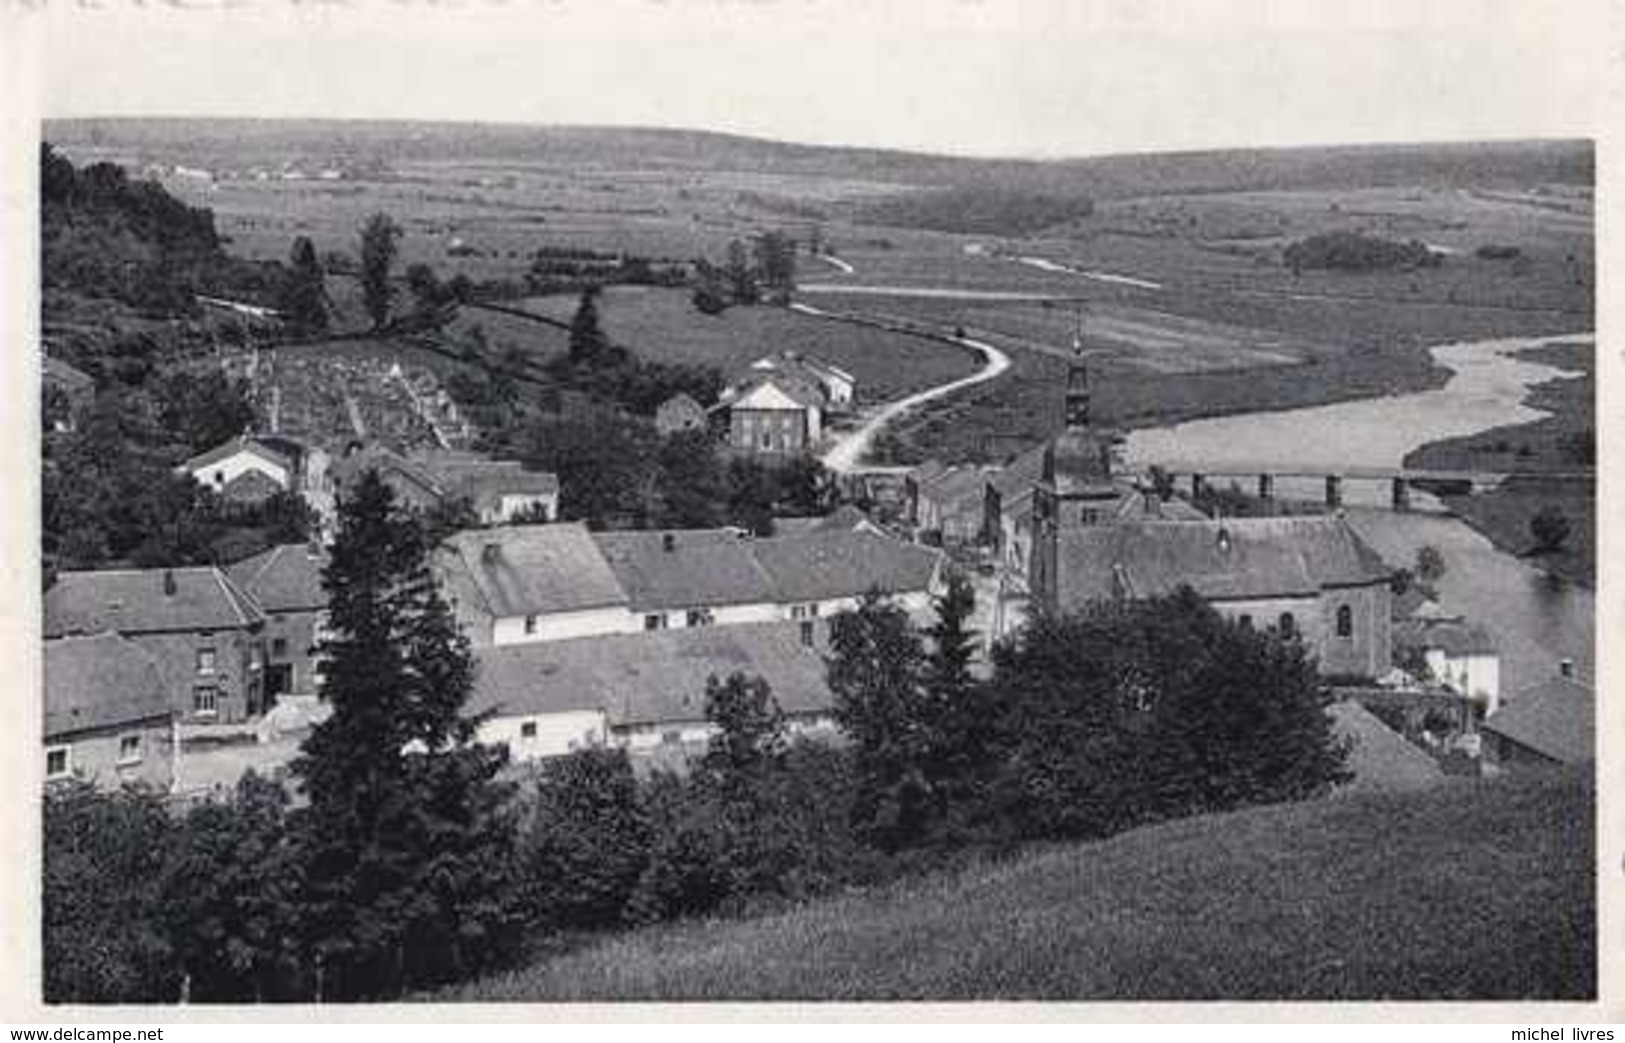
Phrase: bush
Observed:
(586, 840)
(1353, 252)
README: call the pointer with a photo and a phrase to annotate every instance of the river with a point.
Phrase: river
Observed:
(1536, 620)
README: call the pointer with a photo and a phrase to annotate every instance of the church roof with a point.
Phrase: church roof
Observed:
(1240, 558)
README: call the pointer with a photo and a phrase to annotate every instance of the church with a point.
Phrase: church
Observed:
(1094, 536)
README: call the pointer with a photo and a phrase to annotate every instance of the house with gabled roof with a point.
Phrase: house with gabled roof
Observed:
(285, 582)
(534, 583)
(642, 692)
(838, 386)
(108, 713)
(774, 414)
(1546, 725)
(242, 469)
(1459, 655)
(498, 491)
(203, 631)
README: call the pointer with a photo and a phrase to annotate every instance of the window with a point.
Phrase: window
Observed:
(279, 646)
(530, 624)
(1345, 621)
(56, 762)
(129, 749)
(527, 730)
(671, 738)
(1288, 625)
(699, 617)
(205, 661)
(1245, 621)
(654, 621)
(205, 699)
(807, 633)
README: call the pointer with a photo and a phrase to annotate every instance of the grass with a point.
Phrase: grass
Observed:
(663, 325)
(1471, 890)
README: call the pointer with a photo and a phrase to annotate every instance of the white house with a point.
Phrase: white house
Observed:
(242, 463)
(1459, 655)
(838, 386)
(642, 692)
(527, 584)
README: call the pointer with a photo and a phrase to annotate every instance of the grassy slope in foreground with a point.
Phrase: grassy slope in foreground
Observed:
(1469, 890)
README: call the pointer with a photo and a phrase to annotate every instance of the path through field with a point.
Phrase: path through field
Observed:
(850, 448)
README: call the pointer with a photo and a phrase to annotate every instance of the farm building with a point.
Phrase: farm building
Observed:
(108, 713)
(242, 470)
(947, 503)
(642, 692)
(537, 583)
(1549, 724)
(678, 414)
(205, 634)
(498, 491)
(285, 583)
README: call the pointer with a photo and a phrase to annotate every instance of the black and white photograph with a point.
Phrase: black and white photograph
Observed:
(539, 502)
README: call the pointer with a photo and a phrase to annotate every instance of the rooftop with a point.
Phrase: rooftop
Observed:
(657, 677)
(522, 570)
(145, 601)
(231, 447)
(99, 681)
(1233, 559)
(1556, 718)
(286, 578)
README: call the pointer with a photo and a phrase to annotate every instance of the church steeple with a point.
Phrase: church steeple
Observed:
(1077, 384)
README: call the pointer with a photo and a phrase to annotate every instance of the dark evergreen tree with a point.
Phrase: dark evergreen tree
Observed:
(407, 845)
(379, 246)
(303, 300)
(742, 287)
(875, 674)
(691, 485)
(587, 342)
(752, 494)
(959, 716)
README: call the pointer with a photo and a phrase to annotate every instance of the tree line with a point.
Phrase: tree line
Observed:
(408, 856)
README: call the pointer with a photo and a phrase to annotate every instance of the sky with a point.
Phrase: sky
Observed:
(986, 77)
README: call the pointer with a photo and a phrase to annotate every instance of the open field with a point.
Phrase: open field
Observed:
(664, 325)
(1471, 890)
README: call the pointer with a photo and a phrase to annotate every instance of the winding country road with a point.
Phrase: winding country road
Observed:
(850, 447)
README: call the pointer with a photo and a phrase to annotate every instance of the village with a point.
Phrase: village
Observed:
(455, 568)
(184, 678)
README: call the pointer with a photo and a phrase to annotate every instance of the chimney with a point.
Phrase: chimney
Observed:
(668, 542)
(169, 581)
(1565, 669)
(491, 553)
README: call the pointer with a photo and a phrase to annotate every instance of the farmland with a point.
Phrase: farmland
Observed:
(1470, 890)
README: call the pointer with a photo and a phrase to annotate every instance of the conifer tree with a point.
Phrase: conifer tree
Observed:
(407, 844)
(378, 249)
(587, 342)
(303, 300)
(959, 716)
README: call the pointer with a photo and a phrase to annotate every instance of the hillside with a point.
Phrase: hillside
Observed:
(1470, 890)
(240, 141)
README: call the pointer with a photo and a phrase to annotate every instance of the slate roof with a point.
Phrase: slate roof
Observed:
(135, 601)
(231, 447)
(716, 567)
(841, 563)
(99, 681)
(1556, 718)
(1380, 758)
(846, 516)
(956, 489)
(658, 677)
(250, 487)
(1233, 559)
(286, 578)
(532, 570)
(702, 567)
(347, 470)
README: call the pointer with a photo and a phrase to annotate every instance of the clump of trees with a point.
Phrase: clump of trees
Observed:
(1550, 528)
(380, 245)
(764, 269)
(1355, 252)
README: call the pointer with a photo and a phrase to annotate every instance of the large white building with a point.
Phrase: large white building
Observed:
(526, 584)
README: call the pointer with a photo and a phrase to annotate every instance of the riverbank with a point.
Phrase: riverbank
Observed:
(1562, 441)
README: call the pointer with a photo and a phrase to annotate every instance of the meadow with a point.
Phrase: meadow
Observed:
(1481, 889)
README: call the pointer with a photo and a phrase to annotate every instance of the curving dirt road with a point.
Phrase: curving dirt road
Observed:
(850, 447)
